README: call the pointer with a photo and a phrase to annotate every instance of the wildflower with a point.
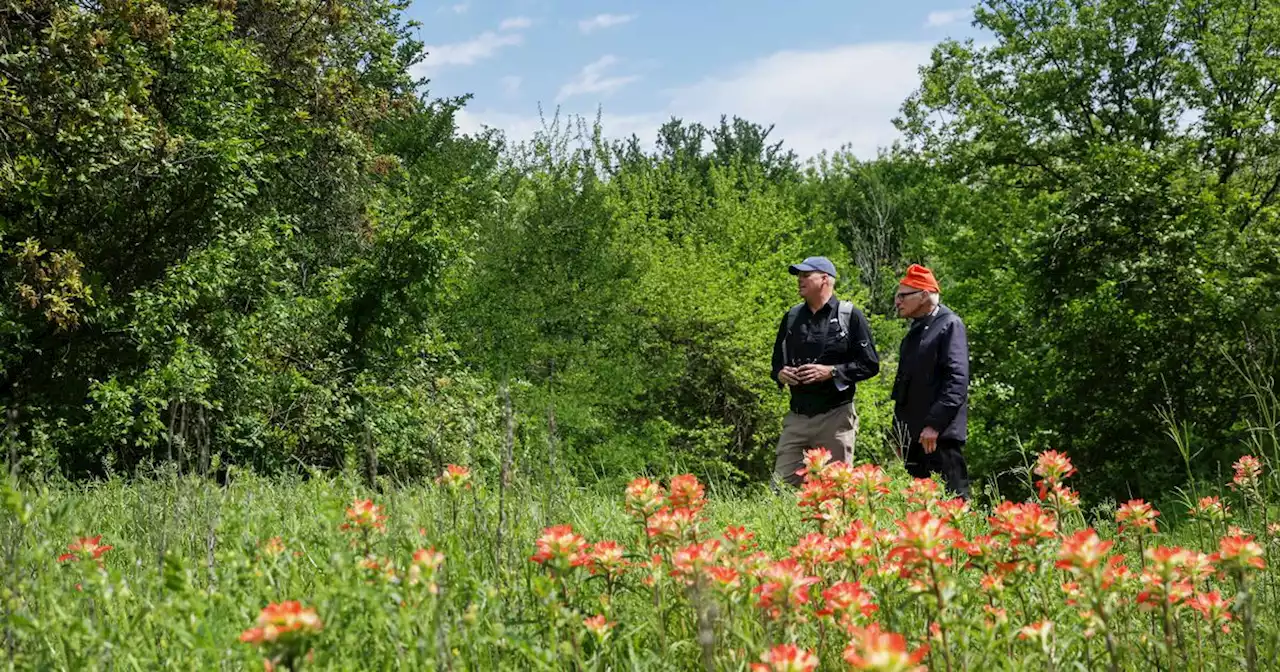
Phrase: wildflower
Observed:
(784, 587)
(1061, 498)
(688, 562)
(1248, 470)
(1137, 514)
(1197, 566)
(813, 549)
(1164, 581)
(1215, 610)
(992, 583)
(1082, 551)
(951, 509)
(998, 616)
(363, 516)
(1072, 590)
(924, 539)
(283, 621)
(815, 460)
(1023, 523)
(606, 557)
(687, 493)
(1211, 509)
(643, 498)
(85, 548)
(1052, 467)
(274, 547)
(560, 549)
(424, 567)
(455, 477)
(1240, 553)
(727, 579)
(867, 481)
(871, 648)
(1039, 631)
(379, 569)
(855, 546)
(814, 492)
(599, 626)
(847, 598)
(668, 527)
(740, 538)
(786, 658)
(922, 491)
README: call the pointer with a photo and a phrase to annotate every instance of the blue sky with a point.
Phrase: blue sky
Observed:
(826, 73)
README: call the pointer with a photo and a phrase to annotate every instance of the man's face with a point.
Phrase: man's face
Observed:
(809, 283)
(909, 301)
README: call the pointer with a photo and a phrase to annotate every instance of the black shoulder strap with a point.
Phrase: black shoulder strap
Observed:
(791, 317)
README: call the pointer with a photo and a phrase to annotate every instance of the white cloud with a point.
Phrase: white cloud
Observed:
(461, 7)
(602, 21)
(484, 46)
(592, 79)
(945, 18)
(816, 100)
(515, 23)
(511, 84)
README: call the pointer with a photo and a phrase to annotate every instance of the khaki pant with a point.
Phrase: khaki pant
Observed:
(834, 430)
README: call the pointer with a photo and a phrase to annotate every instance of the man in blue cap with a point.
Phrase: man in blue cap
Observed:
(822, 350)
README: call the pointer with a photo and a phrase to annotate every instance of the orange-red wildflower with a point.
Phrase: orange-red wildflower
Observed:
(1248, 470)
(560, 549)
(599, 626)
(363, 515)
(815, 460)
(686, 493)
(1136, 514)
(455, 477)
(1240, 553)
(1082, 551)
(1211, 509)
(689, 562)
(643, 498)
(1213, 608)
(786, 658)
(871, 648)
(847, 598)
(784, 587)
(283, 621)
(85, 548)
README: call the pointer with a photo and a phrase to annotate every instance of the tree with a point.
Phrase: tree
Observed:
(1121, 127)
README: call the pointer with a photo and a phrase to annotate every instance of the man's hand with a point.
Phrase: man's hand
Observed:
(815, 373)
(929, 439)
(789, 375)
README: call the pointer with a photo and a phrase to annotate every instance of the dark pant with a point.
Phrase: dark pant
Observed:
(947, 459)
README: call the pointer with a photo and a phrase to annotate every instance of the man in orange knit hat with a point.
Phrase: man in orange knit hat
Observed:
(931, 389)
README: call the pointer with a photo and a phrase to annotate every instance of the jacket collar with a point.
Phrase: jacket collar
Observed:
(932, 317)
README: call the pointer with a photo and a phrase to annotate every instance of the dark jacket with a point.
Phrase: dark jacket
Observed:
(815, 338)
(931, 388)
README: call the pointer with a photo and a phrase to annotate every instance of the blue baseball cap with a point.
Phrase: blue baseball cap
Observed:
(822, 264)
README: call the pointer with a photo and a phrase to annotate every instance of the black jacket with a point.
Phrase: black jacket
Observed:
(815, 338)
(931, 388)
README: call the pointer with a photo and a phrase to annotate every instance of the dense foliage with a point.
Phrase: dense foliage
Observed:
(238, 233)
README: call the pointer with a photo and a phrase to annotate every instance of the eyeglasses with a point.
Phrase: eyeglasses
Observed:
(903, 295)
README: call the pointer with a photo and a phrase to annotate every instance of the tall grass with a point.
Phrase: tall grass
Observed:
(192, 564)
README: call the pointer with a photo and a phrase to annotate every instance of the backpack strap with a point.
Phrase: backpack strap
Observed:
(846, 316)
(791, 317)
